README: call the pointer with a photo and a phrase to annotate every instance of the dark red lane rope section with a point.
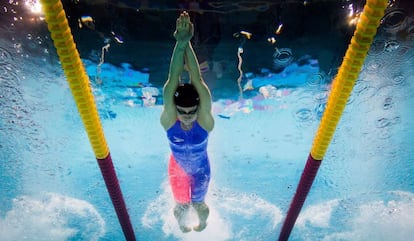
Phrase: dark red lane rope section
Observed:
(305, 184)
(112, 184)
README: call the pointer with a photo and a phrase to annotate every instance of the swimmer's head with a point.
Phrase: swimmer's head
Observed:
(186, 96)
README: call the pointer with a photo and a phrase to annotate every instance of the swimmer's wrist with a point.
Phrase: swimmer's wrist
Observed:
(182, 45)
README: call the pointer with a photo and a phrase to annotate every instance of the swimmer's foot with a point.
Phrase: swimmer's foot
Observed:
(200, 227)
(202, 211)
(179, 212)
(185, 229)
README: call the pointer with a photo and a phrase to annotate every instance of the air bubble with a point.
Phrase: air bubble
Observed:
(282, 57)
(394, 21)
(315, 79)
(374, 67)
(39, 40)
(403, 51)
(321, 97)
(391, 45)
(383, 122)
(304, 115)
(388, 103)
(18, 47)
(398, 80)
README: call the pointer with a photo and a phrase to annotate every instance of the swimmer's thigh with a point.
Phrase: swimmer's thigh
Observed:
(180, 182)
(199, 185)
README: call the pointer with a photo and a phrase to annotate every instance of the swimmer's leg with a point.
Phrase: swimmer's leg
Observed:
(202, 211)
(199, 189)
(180, 211)
(180, 183)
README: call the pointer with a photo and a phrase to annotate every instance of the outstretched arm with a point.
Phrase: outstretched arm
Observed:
(182, 34)
(205, 117)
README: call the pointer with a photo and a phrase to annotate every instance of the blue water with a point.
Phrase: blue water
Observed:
(52, 189)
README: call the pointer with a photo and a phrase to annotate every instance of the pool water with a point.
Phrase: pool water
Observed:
(52, 189)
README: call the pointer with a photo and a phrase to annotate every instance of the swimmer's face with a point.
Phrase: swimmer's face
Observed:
(187, 115)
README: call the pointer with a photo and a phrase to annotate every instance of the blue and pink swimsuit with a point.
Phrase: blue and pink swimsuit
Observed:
(189, 167)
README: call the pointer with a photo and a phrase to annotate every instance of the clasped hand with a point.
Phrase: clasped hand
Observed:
(184, 28)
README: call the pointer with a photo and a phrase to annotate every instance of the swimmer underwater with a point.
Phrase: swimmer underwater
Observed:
(187, 119)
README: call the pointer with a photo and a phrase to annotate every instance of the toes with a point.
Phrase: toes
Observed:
(200, 227)
(185, 229)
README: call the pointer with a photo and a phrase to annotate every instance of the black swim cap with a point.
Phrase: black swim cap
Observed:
(186, 95)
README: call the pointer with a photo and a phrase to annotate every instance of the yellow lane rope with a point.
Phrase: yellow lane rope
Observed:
(76, 75)
(347, 74)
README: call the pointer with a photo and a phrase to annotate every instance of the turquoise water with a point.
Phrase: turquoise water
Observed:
(52, 188)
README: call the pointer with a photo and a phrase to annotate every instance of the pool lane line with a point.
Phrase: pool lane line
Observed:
(79, 85)
(342, 86)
